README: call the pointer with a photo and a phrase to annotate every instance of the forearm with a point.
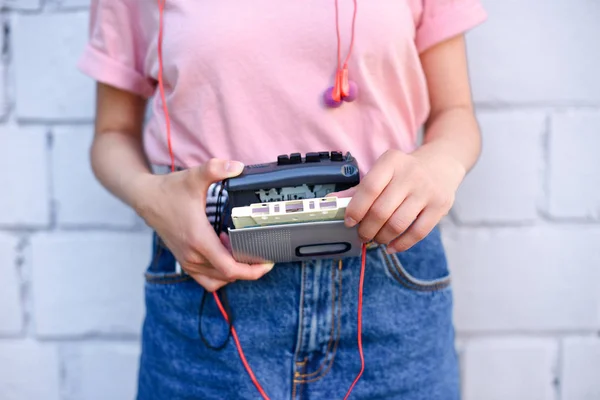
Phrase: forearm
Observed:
(119, 163)
(452, 141)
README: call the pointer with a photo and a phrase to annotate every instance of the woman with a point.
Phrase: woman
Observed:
(233, 83)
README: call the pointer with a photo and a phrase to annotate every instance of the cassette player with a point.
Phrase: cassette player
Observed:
(280, 213)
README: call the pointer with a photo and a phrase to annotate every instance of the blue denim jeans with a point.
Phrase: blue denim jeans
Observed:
(298, 329)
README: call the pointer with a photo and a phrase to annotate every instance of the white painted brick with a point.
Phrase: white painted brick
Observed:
(80, 199)
(89, 282)
(28, 371)
(11, 311)
(525, 279)
(4, 102)
(28, 5)
(100, 371)
(505, 183)
(515, 369)
(574, 182)
(580, 375)
(48, 84)
(536, 51)
(24, 175)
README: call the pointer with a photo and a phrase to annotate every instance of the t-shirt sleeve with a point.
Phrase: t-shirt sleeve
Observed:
(117, 46)
(443, 19)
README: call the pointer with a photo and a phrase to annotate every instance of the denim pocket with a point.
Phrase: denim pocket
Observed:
(422, 268)
(162, 268)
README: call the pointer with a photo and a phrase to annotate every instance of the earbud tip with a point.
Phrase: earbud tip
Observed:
(352, 93)
(329, 100)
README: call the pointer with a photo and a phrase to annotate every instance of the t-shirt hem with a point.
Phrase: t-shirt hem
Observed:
(449, 24)
(104, 69)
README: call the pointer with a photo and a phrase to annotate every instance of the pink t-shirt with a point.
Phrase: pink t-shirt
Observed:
(244, 79)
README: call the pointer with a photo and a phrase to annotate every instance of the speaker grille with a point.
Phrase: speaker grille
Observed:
(273, 244)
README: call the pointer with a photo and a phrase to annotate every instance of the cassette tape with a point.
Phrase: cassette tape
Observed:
(286, 212)
(295, 242)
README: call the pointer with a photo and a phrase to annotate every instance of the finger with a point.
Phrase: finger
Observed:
(401, 219)
(422, 226)
(210, 284)
(216, 170)
(367, 192)
(217, 255)
(204, 269)
(225, 240)
(343, 194)
(381, 211)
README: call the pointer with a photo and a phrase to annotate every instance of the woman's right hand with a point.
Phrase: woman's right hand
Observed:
(174, 205)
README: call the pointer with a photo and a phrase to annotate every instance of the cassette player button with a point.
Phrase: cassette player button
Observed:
(312, 157)
(324, 155)
(337, 156)
(283, 159)
(296, 158)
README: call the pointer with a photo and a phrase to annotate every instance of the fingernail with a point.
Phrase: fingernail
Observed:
(390, 250)
(269, 266)
(350, 222)
(234, 167)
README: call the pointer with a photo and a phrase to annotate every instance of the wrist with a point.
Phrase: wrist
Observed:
(143, 189)
(449, 168)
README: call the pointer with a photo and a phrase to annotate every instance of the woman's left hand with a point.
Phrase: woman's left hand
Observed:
(403, 197)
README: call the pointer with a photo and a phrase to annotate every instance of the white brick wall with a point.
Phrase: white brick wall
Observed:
(523, 238)
(30, 370)
(101, 371)
(510, 368)
(93, 289)
(580, 366)
(11, 310)
(79, 199)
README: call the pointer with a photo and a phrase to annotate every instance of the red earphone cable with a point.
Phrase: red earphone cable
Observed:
(361, 283)
(239, 348)
(341, 86)
(339, 38)
(161, 6)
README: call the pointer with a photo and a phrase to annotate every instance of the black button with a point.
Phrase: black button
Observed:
(296, 158)
(324, 154)
(312, 157)
(283, 159)
(337, 156)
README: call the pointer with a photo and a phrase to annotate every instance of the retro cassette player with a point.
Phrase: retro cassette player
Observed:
(279, 211)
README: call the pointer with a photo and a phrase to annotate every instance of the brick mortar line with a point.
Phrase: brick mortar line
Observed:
(543, 205)
(557, 384)
(69, 229)
(43, 9)
(85, 338)
(543, 334)
(25, 279)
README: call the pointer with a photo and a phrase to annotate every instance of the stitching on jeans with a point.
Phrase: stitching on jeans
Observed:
(434, 286)
(400, 276)
(337, 340)
(301, 330)
(301, 315)
(331, 331)
(294, 383)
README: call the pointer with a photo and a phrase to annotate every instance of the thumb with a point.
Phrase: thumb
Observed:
(346, 193)
(225, 241)
(216, 170)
